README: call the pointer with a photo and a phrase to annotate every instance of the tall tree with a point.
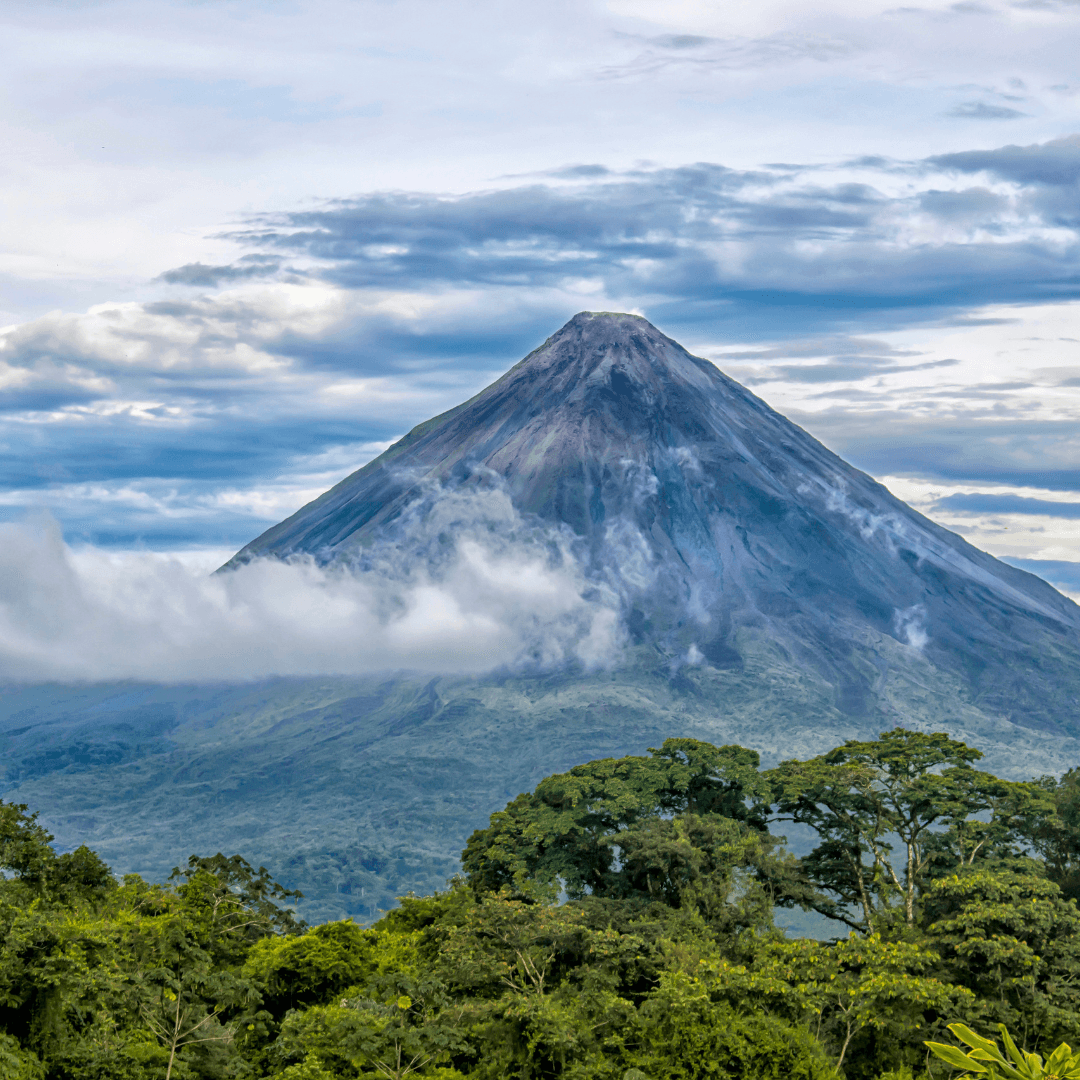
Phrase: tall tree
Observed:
(673, 827)
(27, 854)
(892, 812)
(1055, 835)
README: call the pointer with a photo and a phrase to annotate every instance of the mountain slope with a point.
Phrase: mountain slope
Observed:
(714, 517)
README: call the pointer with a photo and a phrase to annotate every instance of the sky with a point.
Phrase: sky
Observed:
(246, 244)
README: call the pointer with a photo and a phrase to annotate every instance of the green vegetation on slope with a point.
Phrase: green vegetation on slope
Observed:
(616, 922)
(357, 791)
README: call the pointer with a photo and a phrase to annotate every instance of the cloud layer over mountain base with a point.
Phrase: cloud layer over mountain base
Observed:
(494, 599)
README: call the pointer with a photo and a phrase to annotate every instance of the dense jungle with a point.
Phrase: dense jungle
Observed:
(619, 921)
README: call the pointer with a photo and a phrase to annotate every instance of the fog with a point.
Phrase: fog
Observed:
(473, 591)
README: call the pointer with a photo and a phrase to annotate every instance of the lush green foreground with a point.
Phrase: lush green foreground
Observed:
(617, 922)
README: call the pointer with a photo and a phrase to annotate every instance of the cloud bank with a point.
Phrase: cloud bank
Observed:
(497, 597)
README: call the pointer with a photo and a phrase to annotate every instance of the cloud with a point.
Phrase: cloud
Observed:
(957, 445)
(1056, 162)
(682, 41)
(972, 206)
(848, 367)
(350, 321)
(693, 53)
(979, 503)
(202, 275)
(910, 624)
(981, 110)
(499, 598)
(706, 242)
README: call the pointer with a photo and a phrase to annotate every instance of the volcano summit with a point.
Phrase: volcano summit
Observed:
(723, 528)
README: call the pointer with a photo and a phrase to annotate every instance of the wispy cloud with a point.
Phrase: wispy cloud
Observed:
(203, 275)
(984, 110)
(1055, 163)
(711, 240)
(1003, 503)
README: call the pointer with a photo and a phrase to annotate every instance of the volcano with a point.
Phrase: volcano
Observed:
(722, 526)
(768, 594)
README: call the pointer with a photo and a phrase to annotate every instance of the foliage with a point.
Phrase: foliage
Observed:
(614, 924)
(17, 1063)
(684, 1034)
(1014, 941)
(1055, 837)
(865, 999)
(892, 812)
(985, 1059)
(685, 825)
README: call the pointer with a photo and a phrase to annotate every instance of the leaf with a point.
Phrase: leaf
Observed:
(956, 1058)
(1018, 1056)
(976, 1042)
(1058, 1058)
(998, 1063)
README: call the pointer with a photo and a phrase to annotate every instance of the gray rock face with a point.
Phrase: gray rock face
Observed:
(720, 523)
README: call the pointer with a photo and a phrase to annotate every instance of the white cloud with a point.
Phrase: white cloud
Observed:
(498, 598)
(140, 141)
(1002, 532)
(910, 623)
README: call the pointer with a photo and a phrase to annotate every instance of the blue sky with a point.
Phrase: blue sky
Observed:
(247, 243)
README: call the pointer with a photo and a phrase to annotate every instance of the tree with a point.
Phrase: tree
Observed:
(1055, 835)
(17, 1063)
(674, 827)
(682, 1033)
(25, 846)
(1014, 941)
(235, 904)
(26, 852)
(394, 1027)
(188, 997)
(866, 999)
(176, 1028)
(918, 789)
(539, 989)
(297, 970)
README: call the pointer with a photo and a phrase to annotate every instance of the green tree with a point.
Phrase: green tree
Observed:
(235, 904)
(394, 1027)
(685, 825)
(682, 1033)
(27, 855)
(1055, 836)
(894, 812)
(1014, 941)
(869, 1001)
(297, 970)
(186, 996)
(17, 1063)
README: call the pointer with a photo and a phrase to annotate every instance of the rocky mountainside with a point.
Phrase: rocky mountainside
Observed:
(717, 521)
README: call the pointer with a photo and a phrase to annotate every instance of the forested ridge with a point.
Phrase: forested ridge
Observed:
(617, 922)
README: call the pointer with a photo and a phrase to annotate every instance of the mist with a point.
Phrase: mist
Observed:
(472, 592)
